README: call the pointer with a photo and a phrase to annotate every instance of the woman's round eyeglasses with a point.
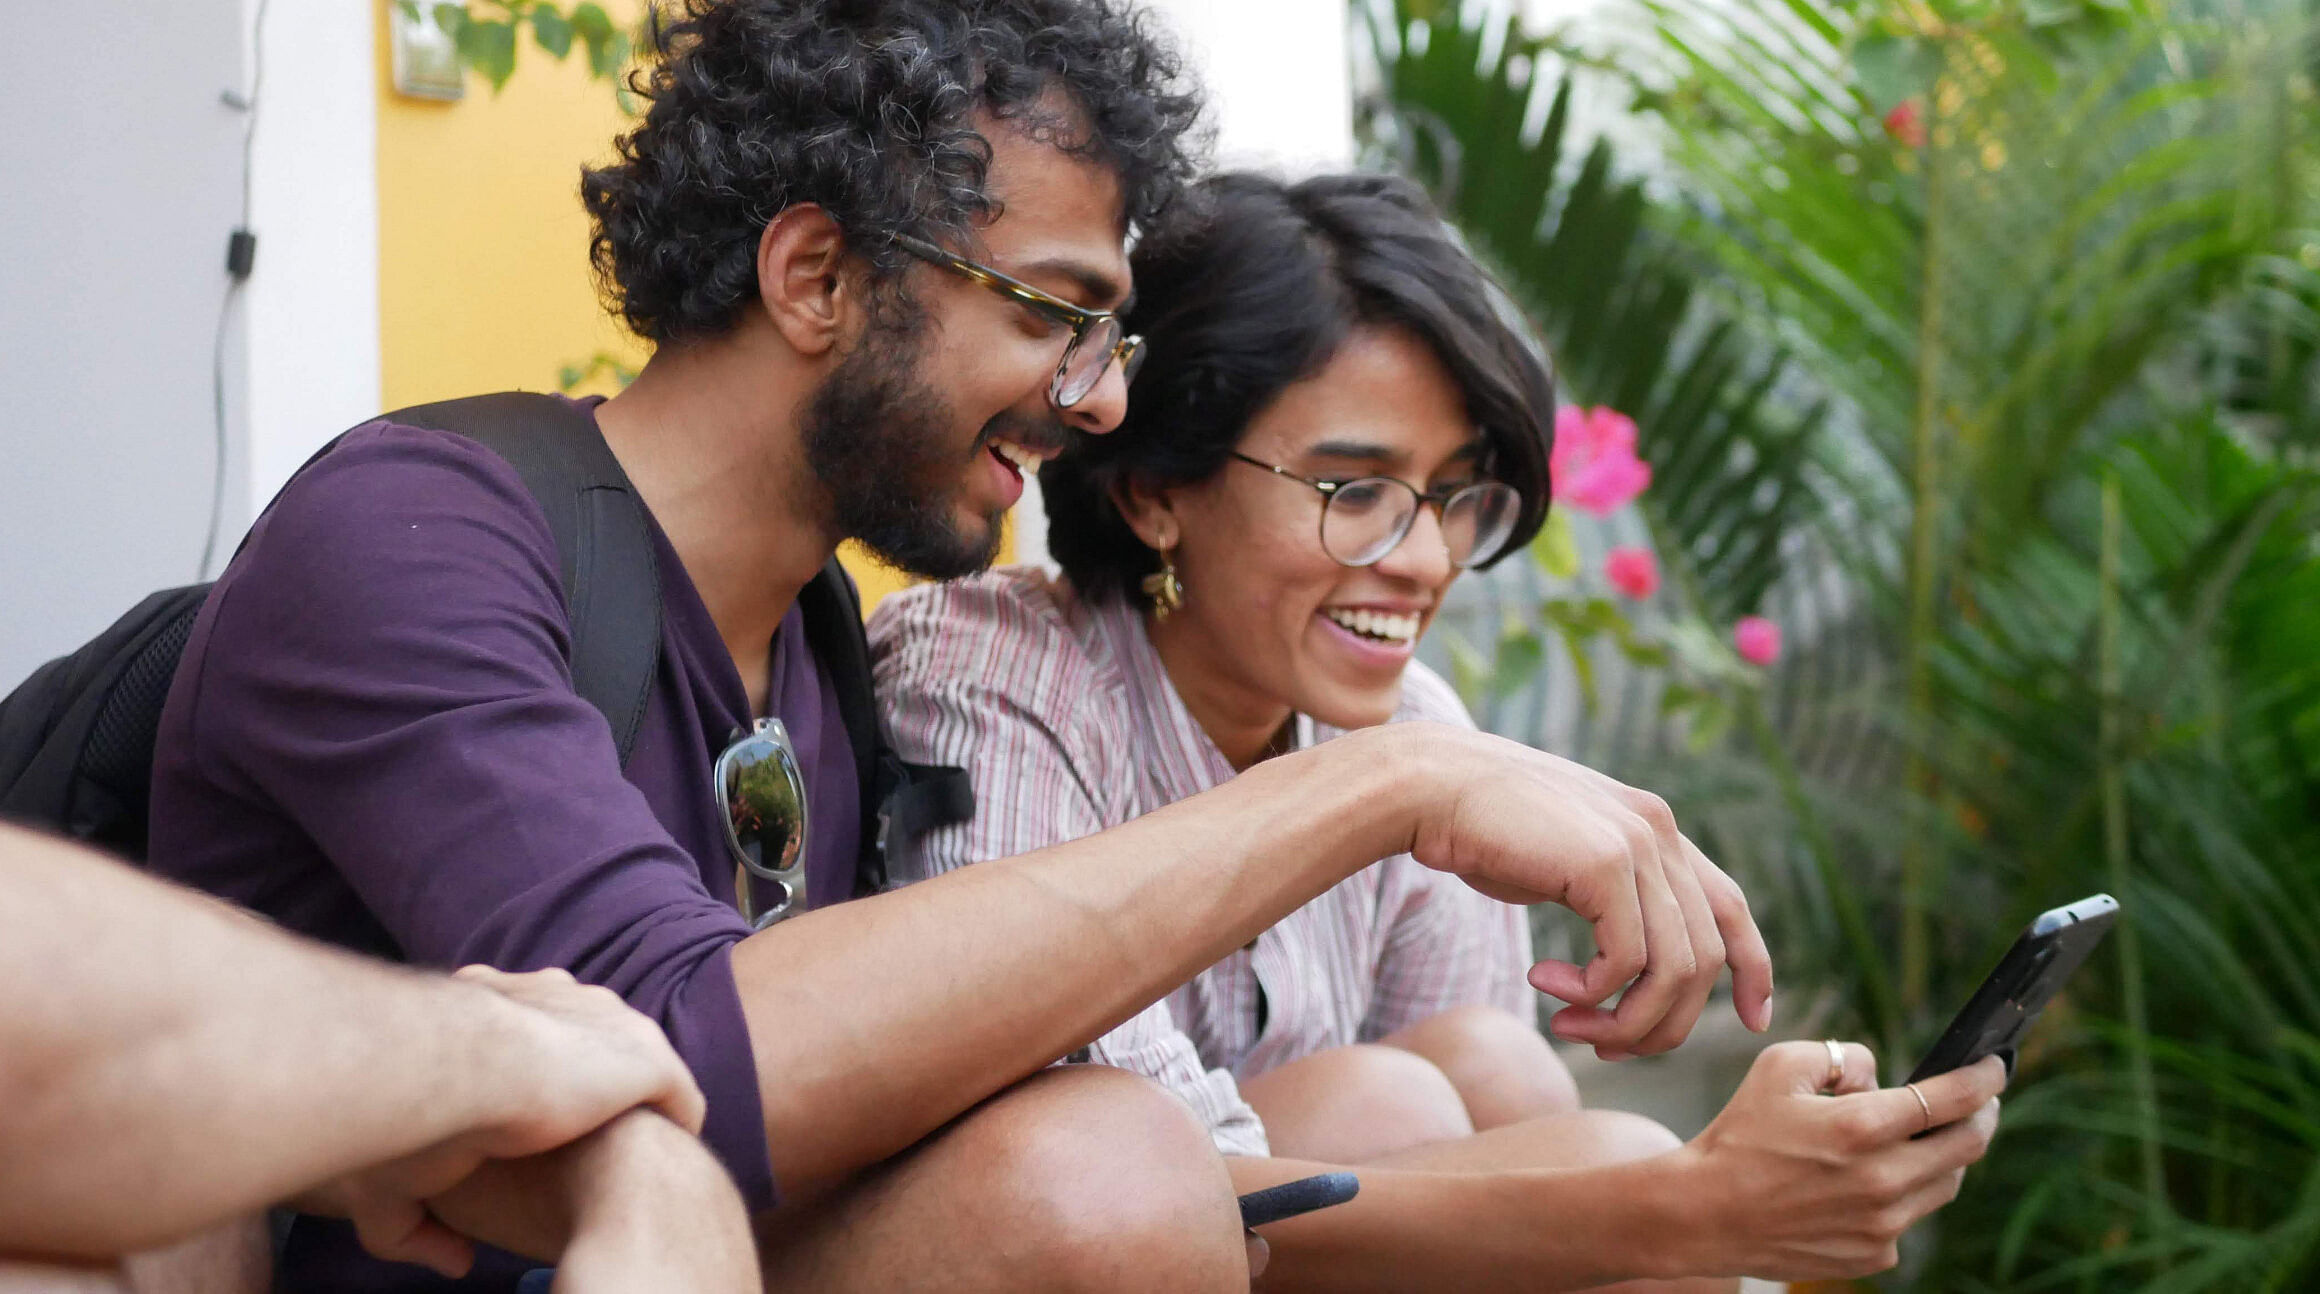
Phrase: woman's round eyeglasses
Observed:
(1096, 335)
(1362, 520)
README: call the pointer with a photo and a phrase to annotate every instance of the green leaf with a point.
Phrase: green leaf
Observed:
(608, 58)
(450, 19)
(1556, 549)
(590, 23)
(1892, 68)
(552, 30)
(1520, 654)
(1469, 672)
(489, 48)
(410, 10)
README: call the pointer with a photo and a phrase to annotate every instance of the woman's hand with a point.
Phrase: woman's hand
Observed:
(1524, 826)
(1801, 1179)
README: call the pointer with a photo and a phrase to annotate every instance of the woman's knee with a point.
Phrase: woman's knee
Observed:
(1355, 1103)
(1503, 1067)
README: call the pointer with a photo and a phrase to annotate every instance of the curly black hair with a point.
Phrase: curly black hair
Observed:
(1258, 291)
(864, 107)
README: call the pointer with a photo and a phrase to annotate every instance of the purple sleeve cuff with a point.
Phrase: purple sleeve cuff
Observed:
(705, 1024)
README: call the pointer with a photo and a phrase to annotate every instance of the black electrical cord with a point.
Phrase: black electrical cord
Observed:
(241, 254)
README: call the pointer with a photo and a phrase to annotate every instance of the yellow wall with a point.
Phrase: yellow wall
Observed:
(483, 247)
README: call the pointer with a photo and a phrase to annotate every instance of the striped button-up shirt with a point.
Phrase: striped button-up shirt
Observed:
(1066, 721)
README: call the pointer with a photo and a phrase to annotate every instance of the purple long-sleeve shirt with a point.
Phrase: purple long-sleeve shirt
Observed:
(373, 738)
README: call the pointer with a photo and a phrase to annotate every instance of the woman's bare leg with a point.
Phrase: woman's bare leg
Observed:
(1504, 1069)
(1351, 1105)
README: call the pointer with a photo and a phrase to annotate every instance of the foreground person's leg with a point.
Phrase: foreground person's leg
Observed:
(1503, 1067)
(1082, 1178)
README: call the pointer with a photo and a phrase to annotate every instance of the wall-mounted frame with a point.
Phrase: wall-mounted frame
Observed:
(426, 62)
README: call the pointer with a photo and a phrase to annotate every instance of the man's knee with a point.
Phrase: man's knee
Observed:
(1112, 1181)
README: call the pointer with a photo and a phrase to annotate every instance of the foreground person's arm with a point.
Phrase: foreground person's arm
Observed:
(638, 1204)
(982, 975)
(167, 1062)
(1786, 1184)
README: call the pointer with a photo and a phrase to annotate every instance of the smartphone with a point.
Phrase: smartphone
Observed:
(2027, 978)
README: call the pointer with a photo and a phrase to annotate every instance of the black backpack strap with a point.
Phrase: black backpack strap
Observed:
(611, 575)
(899, 800)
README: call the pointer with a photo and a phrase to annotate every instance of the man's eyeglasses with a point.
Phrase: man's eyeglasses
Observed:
(763, 789)
(1096, 336)
(1363, 520)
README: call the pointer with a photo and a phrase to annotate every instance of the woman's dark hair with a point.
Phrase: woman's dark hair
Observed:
(1259, 292)
(866, 108)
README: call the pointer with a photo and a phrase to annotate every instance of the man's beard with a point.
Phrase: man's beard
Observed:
(878, 440)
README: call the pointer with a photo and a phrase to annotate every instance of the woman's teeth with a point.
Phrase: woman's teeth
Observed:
(1377, 624)
(1024, 460)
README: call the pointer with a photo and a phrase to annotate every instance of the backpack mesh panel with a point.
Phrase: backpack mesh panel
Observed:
(119, 755)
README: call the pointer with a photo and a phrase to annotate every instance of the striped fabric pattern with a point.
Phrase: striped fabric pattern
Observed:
(1065, 719)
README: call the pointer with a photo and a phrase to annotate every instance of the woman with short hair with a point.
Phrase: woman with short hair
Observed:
(1338, 417)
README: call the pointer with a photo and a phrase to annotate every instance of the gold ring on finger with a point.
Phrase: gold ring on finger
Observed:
(1922, 1104)
(1836, 1063)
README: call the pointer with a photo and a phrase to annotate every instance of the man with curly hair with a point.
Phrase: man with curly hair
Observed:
(879, 249)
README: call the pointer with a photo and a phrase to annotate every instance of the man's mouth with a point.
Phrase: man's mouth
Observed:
(1025, 462)
(1378, 626)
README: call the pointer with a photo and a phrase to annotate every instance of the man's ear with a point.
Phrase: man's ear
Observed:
(1151, 513)
(807, 282)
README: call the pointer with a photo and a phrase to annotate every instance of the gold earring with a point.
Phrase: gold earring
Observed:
(1163, 588)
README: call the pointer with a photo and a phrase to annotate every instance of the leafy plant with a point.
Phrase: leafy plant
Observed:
(487, 33)
(2043, 541)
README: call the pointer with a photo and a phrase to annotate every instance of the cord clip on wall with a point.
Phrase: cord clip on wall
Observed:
(241, 253)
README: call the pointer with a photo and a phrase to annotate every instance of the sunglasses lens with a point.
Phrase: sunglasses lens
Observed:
(764, 793)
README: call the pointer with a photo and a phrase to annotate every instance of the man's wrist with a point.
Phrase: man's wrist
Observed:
(1384, 780)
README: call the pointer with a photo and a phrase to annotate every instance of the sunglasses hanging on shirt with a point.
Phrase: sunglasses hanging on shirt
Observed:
(763, 790)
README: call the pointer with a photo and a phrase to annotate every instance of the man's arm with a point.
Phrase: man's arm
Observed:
(167, 1061)
(963, 984)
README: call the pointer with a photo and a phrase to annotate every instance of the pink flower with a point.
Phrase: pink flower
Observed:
(1632, 571)
(1906, 124)
(1594, 467)
(1757, 639)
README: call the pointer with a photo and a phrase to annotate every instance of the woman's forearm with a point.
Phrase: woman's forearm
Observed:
(1479, 1232)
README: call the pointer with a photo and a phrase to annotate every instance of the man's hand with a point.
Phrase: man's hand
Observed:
(568, 1059)
(1798, 1184)
(1527, 827)
(653, 1209)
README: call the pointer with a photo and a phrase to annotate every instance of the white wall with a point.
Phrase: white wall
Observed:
(314, 302)
(123, 181)
(125, 178)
